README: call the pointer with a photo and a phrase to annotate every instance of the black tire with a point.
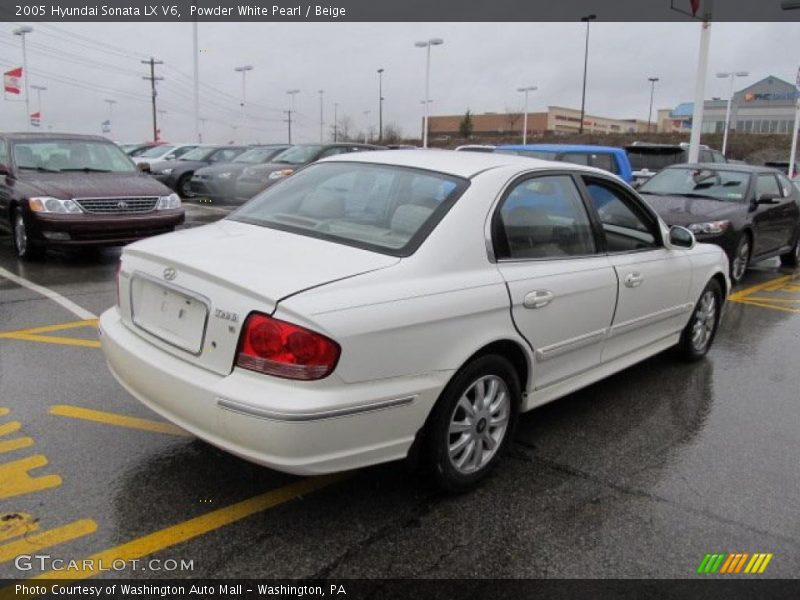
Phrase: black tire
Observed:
(441, 455)
(792, 258)
(743, 252)
(24, 247)
(700, 331)
(182, 187)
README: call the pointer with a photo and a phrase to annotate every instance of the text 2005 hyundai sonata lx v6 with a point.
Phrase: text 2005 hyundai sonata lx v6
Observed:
(387, 303)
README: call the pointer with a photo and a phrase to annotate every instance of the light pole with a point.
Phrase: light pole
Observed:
(525, 90)
(243, 70)
(427, 45)
(22, 32)
(652, 81)
(366, 124)
(380, 105)
(321, 92)
(732, 75)
(587, 19)
(196, 82)
(335, 122)
(291, 93)
(39, 89)
(111, 104)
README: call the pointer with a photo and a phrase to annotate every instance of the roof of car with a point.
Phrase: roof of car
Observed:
(460, 164)
(562, 148)
(744, 168)
(24, 135)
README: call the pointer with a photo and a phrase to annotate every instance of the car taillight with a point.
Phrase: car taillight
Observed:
(282, 349)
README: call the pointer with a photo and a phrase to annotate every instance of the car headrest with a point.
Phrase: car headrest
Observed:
(323, 204)
(408, 218)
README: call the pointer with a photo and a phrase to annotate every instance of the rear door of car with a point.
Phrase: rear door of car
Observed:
(654, 281)
(775, 223)
(5, 190)
(562, 288)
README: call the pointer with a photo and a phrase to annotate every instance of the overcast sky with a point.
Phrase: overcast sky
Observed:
(479, 67)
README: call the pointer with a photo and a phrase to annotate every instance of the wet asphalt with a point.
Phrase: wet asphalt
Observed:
(638, 476)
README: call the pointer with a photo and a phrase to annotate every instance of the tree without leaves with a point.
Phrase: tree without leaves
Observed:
(465, 128)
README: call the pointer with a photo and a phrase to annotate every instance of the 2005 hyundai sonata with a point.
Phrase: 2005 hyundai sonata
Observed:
(387, 303)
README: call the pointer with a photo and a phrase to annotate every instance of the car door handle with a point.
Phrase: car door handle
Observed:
(633, 280)
(538, 299)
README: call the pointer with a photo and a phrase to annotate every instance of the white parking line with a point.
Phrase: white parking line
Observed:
(76, 310)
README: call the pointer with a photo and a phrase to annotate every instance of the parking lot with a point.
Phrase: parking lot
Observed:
(639, 476)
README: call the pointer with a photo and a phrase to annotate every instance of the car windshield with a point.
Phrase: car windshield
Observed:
(298, 155)
(384, 208)
(71, 155)
(258, 155)
(730, 186)
(199, 153)
(157, 151)
(530, 153)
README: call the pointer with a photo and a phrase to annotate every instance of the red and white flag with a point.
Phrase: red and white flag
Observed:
(36, 119)
(12, 81)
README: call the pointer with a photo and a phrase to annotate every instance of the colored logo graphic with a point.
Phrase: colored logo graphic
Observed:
(737, 562)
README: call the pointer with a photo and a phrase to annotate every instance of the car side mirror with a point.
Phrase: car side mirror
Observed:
(680, 237)
(767, 199)
(5, 171)
(144, 167)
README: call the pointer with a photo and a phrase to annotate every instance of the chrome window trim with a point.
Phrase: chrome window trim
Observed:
(274, 415)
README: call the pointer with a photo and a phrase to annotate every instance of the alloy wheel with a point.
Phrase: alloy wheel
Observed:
(478, 424)
(20, 234)
(740, 260)
(705, 320)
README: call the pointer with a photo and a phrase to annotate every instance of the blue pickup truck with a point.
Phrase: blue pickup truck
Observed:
(608, 158)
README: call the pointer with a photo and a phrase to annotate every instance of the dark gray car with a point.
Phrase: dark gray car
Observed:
(218, 182)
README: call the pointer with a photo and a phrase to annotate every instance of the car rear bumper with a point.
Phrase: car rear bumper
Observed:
(71, 230)
(332, 426)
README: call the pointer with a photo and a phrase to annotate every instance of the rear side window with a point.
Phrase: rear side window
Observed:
(543, 217)
(576, 158)
(786, 185)
(605, 162)
(3, 153)
(627, 228)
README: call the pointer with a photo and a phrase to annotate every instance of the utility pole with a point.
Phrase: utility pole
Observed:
(196, 82)
(153, 62)
(202, 128)
(652, 81)
(289, 121)
(291, 93)
(380, 105)
(22, 32)
(366, 124)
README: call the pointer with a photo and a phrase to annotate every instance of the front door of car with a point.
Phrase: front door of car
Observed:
(654, 281)
(562, 290)
(774, 222)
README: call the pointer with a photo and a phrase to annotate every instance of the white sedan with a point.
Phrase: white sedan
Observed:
(382, 304)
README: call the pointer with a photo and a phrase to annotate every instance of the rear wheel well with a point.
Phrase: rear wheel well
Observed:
(508, 349)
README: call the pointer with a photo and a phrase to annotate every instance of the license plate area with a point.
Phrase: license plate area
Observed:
(173, 315)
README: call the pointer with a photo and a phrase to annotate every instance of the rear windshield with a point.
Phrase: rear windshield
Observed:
(529, 153)
(71, 155)
(384, 208)
(258, 155)
(298, 155)
(654, 159)
(156, 151)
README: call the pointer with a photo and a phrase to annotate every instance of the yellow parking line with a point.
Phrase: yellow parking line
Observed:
(738, 296)
(51, 339)
(779, 300)
(4, 411)
(98, 416)
(187, 530)
(48, 328)
(33, 542)
(772, 306)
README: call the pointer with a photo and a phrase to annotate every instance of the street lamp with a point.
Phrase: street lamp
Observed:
(525, 90)
(587, 19)
(111, 104)
(380, 105)
(732, 75)
(22, 32)
(243, 70)
(652, 81)
(427, 45)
